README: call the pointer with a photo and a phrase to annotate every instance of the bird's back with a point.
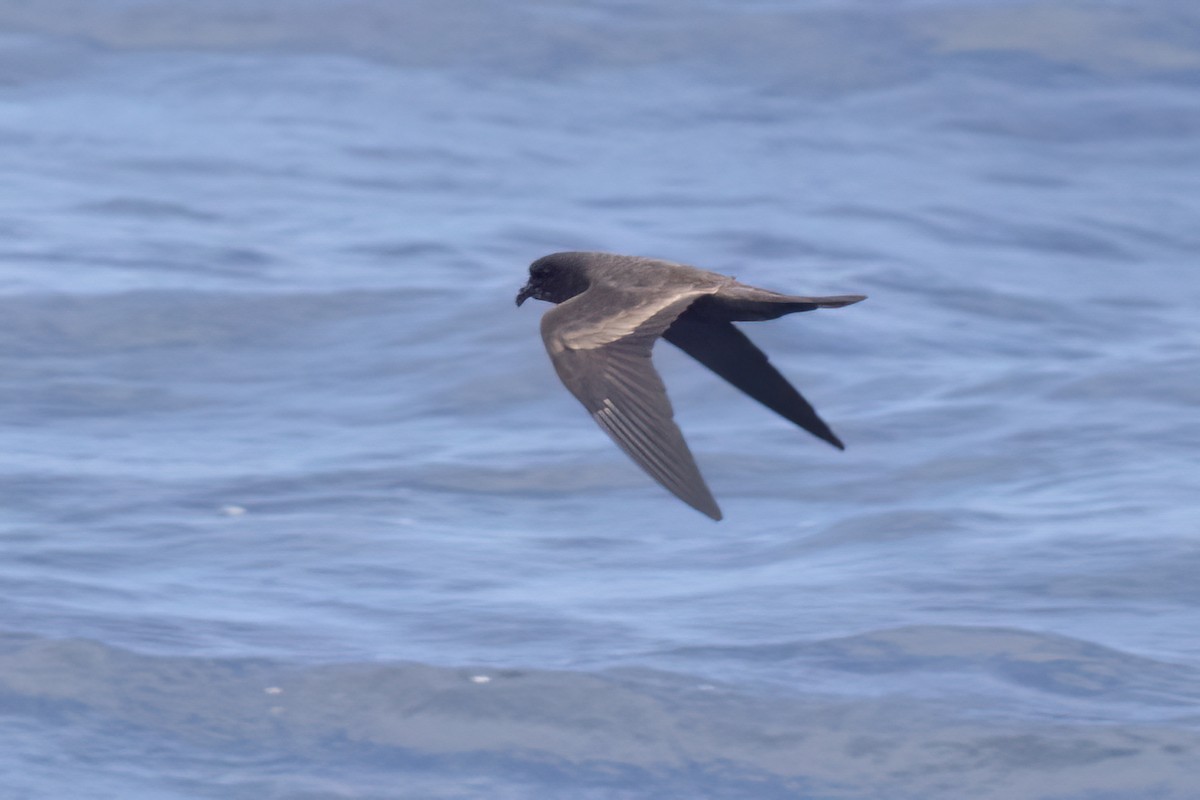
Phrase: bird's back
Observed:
(636, 274)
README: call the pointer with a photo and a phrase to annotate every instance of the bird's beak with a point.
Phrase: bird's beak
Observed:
(525, 293)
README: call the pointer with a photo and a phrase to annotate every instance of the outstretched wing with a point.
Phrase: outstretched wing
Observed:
(600, 343)
(725, 350)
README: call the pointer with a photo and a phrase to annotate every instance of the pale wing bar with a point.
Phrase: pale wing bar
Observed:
(618, 385)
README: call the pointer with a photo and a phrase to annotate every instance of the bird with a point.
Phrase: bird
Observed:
(610, 310)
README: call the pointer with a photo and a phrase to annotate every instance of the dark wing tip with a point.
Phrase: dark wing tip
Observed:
(710, 510)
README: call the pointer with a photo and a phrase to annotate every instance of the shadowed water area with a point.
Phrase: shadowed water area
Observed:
(293, 505)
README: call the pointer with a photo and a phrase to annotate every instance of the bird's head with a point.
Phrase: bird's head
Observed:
(555, 278)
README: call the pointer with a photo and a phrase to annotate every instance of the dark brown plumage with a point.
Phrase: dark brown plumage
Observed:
(610, 311)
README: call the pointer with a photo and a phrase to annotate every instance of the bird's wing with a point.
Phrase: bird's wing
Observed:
(600, 343)
(725, 350)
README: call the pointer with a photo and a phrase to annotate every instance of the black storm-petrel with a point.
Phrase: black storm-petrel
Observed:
(612, 309)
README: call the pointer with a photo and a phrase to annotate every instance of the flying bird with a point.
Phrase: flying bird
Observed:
(611, 309)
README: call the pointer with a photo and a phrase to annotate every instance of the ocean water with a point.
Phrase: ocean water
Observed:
(292, 504)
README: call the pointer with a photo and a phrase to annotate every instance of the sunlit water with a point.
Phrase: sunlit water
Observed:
(293, 504)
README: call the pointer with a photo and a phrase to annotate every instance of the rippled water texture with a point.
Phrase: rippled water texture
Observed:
(293, 505)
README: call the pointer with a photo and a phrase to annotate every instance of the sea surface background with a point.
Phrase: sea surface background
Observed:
(292, 504)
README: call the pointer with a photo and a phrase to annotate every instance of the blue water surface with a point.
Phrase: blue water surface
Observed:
(293, 505)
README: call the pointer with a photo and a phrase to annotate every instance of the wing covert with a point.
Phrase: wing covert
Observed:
(600, 347)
